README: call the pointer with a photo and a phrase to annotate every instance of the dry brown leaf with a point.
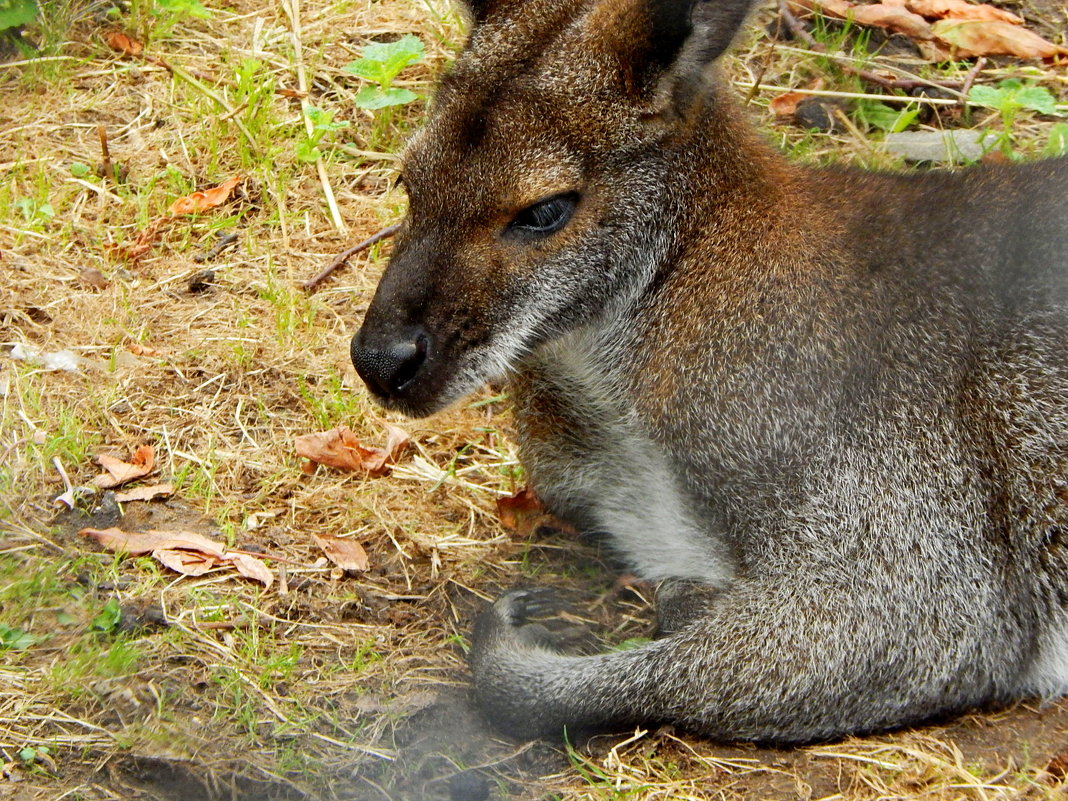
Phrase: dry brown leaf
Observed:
(832, 8)
(251, 567)
(524, 514)
(892, 17)
(137, 349)
(960, 9)
(90, 276)
(206, 199)
(993, 38)
(344, 552)
(139, 544)
(127, 45)
(142, 462)
(785, 105)
(515, 510)
(183, 551)
(340, 448)
(188, 563)
(149, 493)
(1057, 767)
(145, 240)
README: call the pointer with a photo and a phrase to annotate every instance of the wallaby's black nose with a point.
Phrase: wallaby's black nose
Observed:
(388, 366)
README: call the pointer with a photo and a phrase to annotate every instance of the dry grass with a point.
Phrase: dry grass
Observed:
(330, 685)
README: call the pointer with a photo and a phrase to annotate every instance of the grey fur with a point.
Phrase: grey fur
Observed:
(833, 403)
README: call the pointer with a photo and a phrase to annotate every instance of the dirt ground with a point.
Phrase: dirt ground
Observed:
(122, 679)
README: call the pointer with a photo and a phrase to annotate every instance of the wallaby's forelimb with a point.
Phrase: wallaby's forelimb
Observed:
(768, 662)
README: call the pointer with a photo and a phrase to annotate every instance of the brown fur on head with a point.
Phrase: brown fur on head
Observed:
(535, 187)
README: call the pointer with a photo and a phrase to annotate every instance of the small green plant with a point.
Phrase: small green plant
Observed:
(380, 63)
(884, 117)
(1009, 98)
(35, 212)
(16, 13)
(107, 620)
(155, 19)
(36, 757)
(12, 639)
(181, 8)
(1057, 144)
(322, 124)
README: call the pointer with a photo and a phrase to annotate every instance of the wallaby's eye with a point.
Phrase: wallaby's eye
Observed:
(544, 217)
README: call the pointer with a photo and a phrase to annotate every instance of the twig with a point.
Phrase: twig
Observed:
(760, 75)
(292, 9)
(312, 284)
(797, 29)
(899, 83)
(107, 173)
(223, 243)
(969, 79)
(933, 101)
(200, 76)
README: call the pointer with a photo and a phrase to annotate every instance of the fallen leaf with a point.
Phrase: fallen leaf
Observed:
(145, 240)
(893, 18)
(786, 104)
(251, 567)
(1057, 767)
(90, 276)
(960, 9)
(993, 38)
(137, 349)
(149, 493)
(525, 514)
(833, 8)
(206, 199)
(188, 563)
(344, 552)
(142, 462)
(184, 552)
(340, 448)
(127, 45)
(514, 510)
(139, 544)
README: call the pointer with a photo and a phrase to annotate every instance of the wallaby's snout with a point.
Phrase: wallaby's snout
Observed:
(390, 363)
(398, 349)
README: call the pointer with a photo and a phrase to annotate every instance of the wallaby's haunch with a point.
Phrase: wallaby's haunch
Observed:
(830, 406)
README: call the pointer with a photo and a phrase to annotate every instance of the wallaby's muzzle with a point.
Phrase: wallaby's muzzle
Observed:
(389, 365)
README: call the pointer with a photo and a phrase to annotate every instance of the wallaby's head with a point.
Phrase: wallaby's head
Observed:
(539, 189)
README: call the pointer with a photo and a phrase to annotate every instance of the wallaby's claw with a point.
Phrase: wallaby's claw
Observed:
(520, 605)
(509, 621)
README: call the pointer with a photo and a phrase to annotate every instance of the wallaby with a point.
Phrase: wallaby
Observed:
(830, 407)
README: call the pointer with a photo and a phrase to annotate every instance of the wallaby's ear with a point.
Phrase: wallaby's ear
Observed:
(672, 40)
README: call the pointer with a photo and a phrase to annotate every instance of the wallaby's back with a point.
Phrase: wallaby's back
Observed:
(827, 407)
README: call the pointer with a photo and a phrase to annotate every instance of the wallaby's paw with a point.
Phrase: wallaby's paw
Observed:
(508, 643)
(520, 605)
(509, 623)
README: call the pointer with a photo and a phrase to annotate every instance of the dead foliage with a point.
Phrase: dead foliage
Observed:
(184, 552)
(944, 29)
(340, 448)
